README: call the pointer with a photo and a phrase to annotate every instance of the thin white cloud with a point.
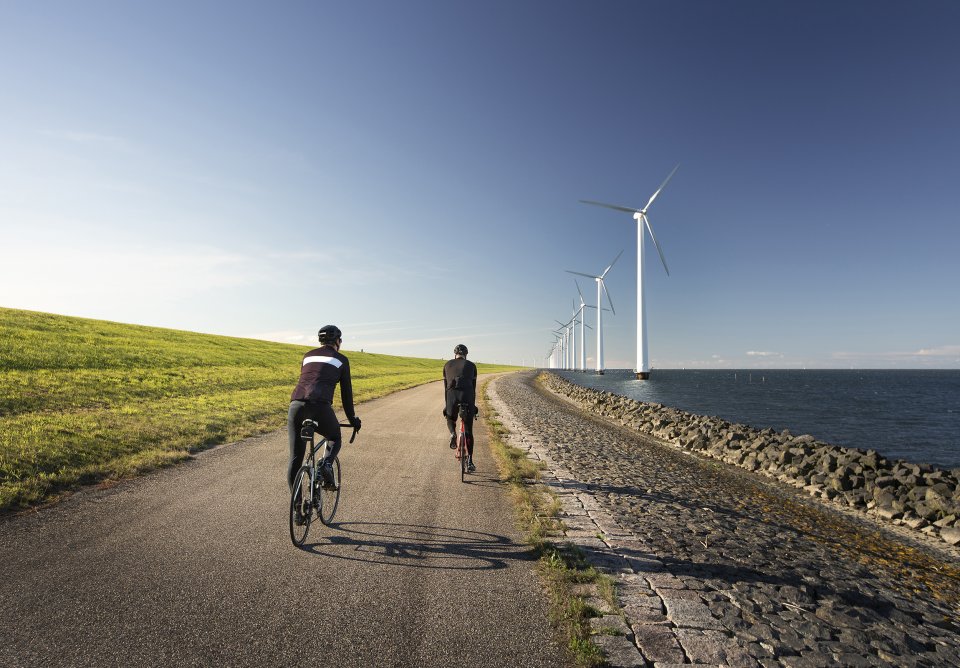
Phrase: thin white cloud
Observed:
(947, 352)
(758, 353)
(941, 351)
(414, 342)
(284, 336)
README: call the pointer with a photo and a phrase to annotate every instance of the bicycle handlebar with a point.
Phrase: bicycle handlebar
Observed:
(354, 434)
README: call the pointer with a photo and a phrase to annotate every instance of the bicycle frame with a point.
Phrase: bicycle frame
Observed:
(305, 502)
(463, 450)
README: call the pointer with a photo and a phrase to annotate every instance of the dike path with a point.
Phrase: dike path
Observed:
(718, 566)
(193, 565)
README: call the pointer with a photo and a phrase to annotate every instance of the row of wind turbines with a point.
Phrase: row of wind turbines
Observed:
(564, 350)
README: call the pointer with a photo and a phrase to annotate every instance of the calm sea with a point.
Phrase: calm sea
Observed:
(912, 415)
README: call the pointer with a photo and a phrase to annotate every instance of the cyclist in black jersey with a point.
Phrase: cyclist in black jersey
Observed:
(460, 388)
(320, 371)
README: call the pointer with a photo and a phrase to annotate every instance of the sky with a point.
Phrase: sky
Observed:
(412, 173)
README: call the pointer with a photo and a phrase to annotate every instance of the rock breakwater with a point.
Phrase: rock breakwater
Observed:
(918, 496)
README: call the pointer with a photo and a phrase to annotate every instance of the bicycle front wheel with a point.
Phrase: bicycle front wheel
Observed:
(330, 496)
(301, 507)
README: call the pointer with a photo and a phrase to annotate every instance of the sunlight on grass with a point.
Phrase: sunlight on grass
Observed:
(82, 401)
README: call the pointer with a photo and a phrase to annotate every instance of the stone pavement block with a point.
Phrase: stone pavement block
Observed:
(588, 542)
(610, 625)
(646, 566)
(598, 604)
(644, 616)
(589, 502)
(657, 643)
(810, 661)
(639, 599)
(676, 594)
(703, 646)
(632, 546)
(619, 652)
(664, 579)
(574, 532)
(738, 656)
(691, 614)
(608, 562)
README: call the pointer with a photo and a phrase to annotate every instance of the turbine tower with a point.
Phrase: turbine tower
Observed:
(640, 215)
(601, 288)
(583, 323)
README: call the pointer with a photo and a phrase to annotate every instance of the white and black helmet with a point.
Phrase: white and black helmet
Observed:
(329, 334)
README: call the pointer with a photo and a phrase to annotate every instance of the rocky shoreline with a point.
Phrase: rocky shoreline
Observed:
(918, 496)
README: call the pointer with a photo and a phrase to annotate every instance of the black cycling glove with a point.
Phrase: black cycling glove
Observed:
(355, 422)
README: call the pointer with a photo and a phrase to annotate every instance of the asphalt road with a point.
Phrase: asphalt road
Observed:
(193, 565)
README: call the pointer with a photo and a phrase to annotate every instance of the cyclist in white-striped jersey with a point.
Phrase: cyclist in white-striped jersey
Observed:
(320, 371)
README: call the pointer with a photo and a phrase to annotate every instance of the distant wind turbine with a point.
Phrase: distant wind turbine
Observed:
(640, 215)
(601, 288)
(569, 343)
(583, 323)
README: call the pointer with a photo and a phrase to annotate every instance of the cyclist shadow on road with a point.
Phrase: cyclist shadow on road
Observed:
(420, 546)
(482, 478)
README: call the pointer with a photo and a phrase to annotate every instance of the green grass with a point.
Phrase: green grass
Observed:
(562, 567)
(86, 401)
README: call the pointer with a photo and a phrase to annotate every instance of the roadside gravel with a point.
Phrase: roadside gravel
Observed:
(717, 566)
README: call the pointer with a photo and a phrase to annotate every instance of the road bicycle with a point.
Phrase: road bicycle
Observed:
(310, 495)
(463, 447)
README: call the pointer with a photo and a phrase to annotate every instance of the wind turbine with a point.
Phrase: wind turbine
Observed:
(567, 342)
(640, 215)
(601, 288)
(583, 323)
(561, 348)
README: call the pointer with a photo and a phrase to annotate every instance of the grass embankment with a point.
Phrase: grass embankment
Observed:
(570, 580)
(85, 401)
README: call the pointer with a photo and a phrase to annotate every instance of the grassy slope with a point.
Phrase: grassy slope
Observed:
(86, 400)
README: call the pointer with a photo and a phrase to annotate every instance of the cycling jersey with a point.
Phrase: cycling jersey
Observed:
(320, 371)
(460, 374)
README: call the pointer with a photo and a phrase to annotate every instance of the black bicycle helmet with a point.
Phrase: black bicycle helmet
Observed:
(460, 350)
(329, 334)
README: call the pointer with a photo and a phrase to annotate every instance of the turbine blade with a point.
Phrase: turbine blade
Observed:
(607, 293)
(654, 195)
(578, 292)
(611, 206)
(580, 274)
(587, 326)
(611, 264)
(656, 243)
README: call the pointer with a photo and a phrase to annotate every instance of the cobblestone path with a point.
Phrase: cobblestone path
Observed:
(717, 566)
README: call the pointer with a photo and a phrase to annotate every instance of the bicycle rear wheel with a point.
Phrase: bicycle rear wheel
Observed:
(330, 498)
(464, 457)
(301, 507)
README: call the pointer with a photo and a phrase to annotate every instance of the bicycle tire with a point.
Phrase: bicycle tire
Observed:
(330, 498)
(464, 457)
(300, 507)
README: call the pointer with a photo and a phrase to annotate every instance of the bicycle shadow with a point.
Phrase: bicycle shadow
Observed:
(419, 546)
(481, 478)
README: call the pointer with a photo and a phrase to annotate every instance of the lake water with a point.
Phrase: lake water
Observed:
(912, 415)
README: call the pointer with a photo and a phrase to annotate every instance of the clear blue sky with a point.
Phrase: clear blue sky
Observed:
(411, 172)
